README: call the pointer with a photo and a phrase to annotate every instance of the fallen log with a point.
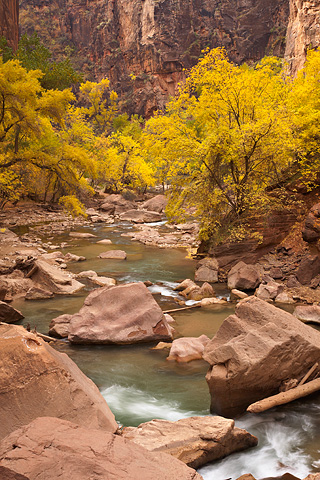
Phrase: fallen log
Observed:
(285, 397)
(182, 308)
(305, 378)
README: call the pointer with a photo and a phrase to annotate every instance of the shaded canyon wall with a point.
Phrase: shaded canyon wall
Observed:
(9, 21)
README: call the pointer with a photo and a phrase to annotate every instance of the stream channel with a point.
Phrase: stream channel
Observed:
(139, 384)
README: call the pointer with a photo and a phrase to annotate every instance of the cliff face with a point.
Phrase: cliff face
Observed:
(303, 32)
(143, 46)
(9, 21)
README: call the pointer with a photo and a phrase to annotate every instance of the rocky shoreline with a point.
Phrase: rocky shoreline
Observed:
(32, 267)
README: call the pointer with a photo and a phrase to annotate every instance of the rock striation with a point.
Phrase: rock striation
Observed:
(9, 21)
(254, 352)
(194, 440)
(36, 380)
(51, 448)
(143, 46)
(303, 32)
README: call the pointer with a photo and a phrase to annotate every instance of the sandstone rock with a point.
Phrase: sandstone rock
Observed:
(246, 476)
(54, 279)
(141, 216)
(81, 235)
(308, 269)
(269, 291)
(87, 274)
(284, 297)
(14, 287)
(313, 476)
(253, 352)
(186, 349)
(156, 204)
(185, 284)
(207, 271)
(115, 204)
(292, 282)
(308, 313)
(70, 257)
(105, 241)
(195, 440)
(59, 326)
(8, 474)
(162, 346)
(207, 302)
(36, 380)
(113, 254)
(238, 293)
(8, 314)
(49, 448)
(205, 291)
(37, 293)
(244, 277)
(103, 281)
(124, 314)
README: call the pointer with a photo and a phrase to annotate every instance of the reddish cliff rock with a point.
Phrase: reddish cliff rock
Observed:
(144, 45)
(9, 21)
(303, 32)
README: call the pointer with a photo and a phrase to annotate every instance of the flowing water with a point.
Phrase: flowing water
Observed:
(139, 384)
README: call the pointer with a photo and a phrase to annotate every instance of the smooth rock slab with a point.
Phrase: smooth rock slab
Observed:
(36, 380)
(49, 448)
(123, 314)
(8, 314)
(194, 440)
(113, 254)
(254, 352)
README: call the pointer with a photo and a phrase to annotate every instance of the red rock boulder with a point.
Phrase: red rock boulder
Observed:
(50, 448)
(194, 440)
(36, 380)
(186, 349)
(244, 276)
(123, 314)
(254, 352)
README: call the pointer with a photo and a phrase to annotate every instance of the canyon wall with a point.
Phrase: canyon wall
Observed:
(143, 46)
(9, 21)
(303, 32)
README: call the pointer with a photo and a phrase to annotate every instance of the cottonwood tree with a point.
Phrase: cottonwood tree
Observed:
(227, 137)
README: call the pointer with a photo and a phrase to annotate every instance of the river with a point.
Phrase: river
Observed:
(139, 384)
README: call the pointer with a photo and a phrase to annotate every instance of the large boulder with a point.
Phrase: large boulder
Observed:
(156, 204)
(123, 314)
(186, 349)
(8, 314)
(254, 352)
(53, 279)
(115, 204)
(309, 268)
(207, 270)
(311, 227)
(49, 448)
(244, 277)
(195, 440)
(141, 216)
(36, 380)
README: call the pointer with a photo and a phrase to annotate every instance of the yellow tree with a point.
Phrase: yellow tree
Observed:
(227, 134)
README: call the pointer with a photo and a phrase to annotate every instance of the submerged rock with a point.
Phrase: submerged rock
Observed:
(254, 352)
(50, 448)
(122, 314)
(36, 380)
(195, 440)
